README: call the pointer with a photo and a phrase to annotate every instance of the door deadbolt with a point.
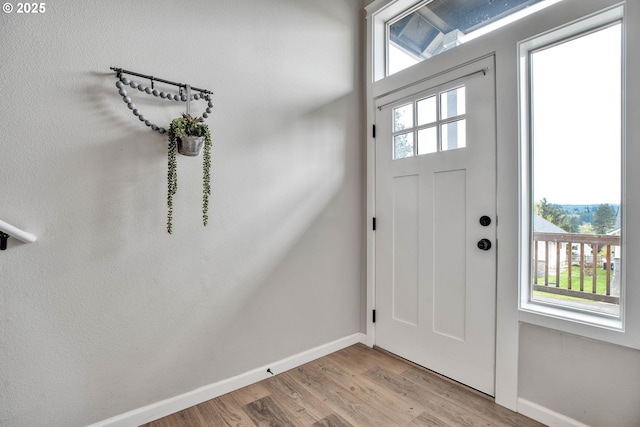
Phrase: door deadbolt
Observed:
(485, 220)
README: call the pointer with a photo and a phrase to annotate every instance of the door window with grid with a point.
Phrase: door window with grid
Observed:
(431, 124)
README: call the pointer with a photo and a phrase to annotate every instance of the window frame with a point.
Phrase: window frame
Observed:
(592, 325)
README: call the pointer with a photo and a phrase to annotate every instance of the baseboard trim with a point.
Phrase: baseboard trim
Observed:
(545, 415)
(175, 404)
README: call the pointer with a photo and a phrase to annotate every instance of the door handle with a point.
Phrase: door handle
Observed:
(484, 244)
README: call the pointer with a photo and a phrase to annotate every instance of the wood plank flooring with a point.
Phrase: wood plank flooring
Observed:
(357, 386)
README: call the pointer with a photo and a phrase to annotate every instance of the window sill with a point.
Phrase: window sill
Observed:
(588, 325)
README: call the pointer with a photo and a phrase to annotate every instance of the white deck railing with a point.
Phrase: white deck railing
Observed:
(550, 267)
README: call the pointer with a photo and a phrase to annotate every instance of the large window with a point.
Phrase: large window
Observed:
(572, 84)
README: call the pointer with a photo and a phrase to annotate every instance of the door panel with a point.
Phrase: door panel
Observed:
(449, 281)
(405, 249)
(435, 177)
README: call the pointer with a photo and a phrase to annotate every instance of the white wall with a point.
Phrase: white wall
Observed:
(106, 312)
(587, 380)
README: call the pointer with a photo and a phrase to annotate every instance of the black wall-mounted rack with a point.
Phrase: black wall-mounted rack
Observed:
(121, 71)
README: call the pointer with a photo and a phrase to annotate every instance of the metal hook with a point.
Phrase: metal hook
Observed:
(188, 99)
(152, 83)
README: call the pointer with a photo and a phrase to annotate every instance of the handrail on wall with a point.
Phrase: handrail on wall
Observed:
(8, 230)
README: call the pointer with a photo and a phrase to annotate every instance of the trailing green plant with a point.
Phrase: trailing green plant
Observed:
(188, 126)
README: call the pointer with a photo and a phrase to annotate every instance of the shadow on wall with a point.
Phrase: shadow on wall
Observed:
(259, 226)
(269, 190)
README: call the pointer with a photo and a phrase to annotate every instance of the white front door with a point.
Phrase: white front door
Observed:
(435, 287)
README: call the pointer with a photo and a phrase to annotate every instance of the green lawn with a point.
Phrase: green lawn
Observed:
(601, 280)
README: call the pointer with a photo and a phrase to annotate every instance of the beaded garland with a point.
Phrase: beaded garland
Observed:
(123, 81)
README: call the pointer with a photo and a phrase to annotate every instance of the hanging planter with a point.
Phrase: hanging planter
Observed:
(187, 135)
(190, 145)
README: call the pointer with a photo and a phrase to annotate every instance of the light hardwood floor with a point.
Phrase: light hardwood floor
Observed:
(357, 386)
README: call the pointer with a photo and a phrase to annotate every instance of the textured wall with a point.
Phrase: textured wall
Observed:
(106, 312)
